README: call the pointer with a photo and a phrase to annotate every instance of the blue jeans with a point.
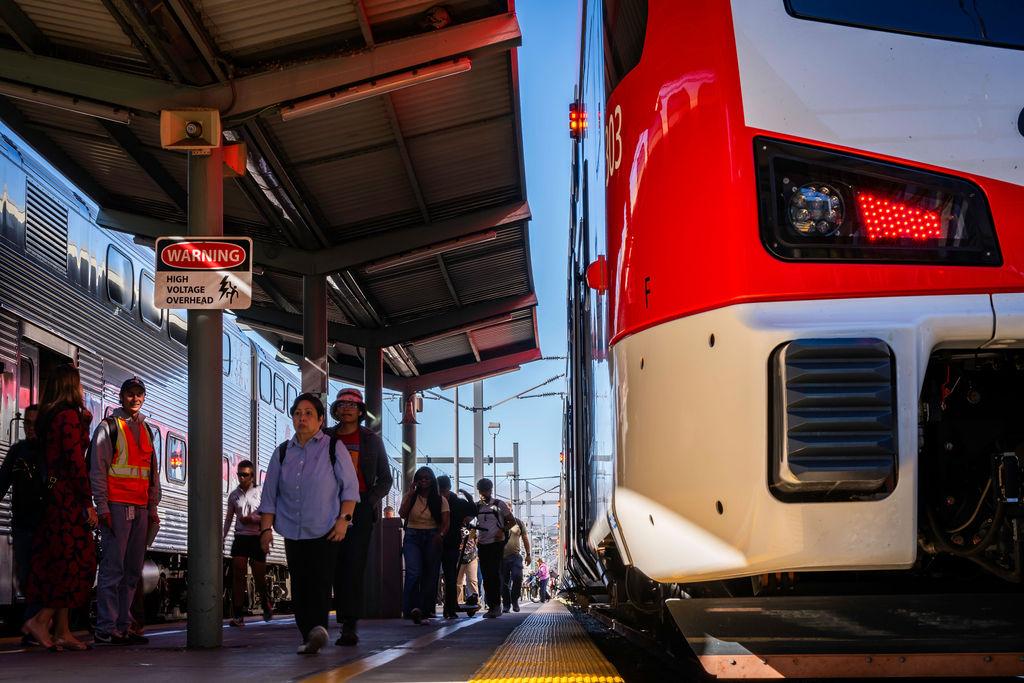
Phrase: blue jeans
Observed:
(422, 552)
(511, 579)
(122, 553)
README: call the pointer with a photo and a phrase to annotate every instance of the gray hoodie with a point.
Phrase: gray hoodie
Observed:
(103, 455)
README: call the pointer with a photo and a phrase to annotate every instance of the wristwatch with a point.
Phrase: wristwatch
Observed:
(347, 517)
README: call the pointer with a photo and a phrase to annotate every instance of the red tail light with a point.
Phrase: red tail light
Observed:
(577, 121)
(822, 205)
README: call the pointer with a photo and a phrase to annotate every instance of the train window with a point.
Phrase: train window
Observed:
(292, 393)
(177, 458)
(25, 384)
(12, 202)
(989, 22)
(148, 311)
(266, 384)
(625, 25)
(120, 278)
(225, 475)
(279, 393)
(226, 354)
(177, 325)
(157, 444)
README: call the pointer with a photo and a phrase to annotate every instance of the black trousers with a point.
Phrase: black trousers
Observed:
(490, 564)
(350, 571)
(450, 569)
(311, 565)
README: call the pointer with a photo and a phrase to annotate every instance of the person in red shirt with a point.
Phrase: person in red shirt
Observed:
(371, 463)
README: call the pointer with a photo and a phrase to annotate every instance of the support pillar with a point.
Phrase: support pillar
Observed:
(515, 473)
(458, 482)
(408, 438)
(314, 336)
(478, 433)
(373, 383)
(205, 419)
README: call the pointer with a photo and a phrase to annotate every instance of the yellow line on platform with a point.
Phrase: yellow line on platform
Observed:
(549, 647)
(343, 673)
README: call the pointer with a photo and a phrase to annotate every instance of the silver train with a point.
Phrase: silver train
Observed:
(70, 290)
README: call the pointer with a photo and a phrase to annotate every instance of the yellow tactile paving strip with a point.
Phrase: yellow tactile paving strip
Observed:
(549, 647)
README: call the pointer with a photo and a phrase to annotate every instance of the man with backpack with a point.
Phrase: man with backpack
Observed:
(22, 472)
(370, 461)
(494, 519)
(125, 482)
(308, 497)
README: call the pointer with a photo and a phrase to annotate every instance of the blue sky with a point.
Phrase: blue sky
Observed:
(547, 66)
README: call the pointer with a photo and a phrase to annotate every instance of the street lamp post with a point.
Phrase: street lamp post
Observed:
(494, 428)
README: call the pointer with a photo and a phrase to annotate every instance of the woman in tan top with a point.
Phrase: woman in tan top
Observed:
(426, 516)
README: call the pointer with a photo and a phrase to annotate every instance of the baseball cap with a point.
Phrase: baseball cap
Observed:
(133, 382)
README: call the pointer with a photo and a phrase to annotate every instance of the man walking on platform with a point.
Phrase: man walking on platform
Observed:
(494, 518)
(243, 507)
(370, 461)
(126, 489)
(512, 565)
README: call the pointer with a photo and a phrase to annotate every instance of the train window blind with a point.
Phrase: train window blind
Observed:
(266, 384)
(625, 27)
(176, 458)
(279, 393)
(292, 394)
(988, 22)
(120, 279)
(158, 449)
(148, 312)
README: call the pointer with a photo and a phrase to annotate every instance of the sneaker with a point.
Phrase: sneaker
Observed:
(136, 638)
(317, 639)
(492, 613)
(472, 599)
(417, 615)
(103, 638)
(237, 622)
(515, 606)
(348, 635)
(268, 613)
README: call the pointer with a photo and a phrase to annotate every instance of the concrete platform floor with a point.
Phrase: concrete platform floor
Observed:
(389, 650)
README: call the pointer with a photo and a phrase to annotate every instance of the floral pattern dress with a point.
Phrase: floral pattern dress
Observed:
(63, 550)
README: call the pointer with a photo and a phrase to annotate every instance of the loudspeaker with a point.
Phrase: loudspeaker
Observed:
(189, 129)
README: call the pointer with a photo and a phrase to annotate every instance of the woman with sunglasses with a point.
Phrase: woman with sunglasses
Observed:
(243, 506)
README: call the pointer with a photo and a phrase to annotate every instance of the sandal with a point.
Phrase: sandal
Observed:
(74, 645)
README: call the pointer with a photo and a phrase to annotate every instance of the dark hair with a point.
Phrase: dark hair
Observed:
(245, 463)
(433, 495)
(485, 484)
(34, 406)
(312, 398)
(62, 391)
(444, 482)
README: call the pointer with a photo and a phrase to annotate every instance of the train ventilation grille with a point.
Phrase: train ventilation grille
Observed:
(834, 419)
(46, 228)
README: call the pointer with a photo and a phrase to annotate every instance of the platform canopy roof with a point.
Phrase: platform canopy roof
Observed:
(411, 197)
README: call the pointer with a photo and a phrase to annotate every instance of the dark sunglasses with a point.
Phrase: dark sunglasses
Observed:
(244, 474)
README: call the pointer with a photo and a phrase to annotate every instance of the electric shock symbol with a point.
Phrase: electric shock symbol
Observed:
(228, 290)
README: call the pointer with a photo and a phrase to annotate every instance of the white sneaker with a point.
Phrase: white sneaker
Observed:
(317, 639)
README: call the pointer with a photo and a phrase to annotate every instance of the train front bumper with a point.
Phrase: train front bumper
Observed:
(692, 497)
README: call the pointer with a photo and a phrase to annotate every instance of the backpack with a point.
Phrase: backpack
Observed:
(489, 522)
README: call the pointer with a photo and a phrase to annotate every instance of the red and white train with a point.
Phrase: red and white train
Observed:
(796, 297)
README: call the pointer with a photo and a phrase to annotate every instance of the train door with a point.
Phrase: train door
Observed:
(40, 354)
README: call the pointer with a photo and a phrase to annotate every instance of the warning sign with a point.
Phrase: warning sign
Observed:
(203, 272)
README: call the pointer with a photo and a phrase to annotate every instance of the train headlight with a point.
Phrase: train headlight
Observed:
(819, 204)
(816, 209)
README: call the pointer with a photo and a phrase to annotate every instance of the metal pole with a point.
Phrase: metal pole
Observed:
(314, 336)
(458, 482)
(515, 472)
(478, 432)
(205, 419)
(408, 439)
(494, 461)
(373, 382)
(529, 506)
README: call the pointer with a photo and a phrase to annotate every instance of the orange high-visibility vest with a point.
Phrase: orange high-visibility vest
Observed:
(128, 476)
